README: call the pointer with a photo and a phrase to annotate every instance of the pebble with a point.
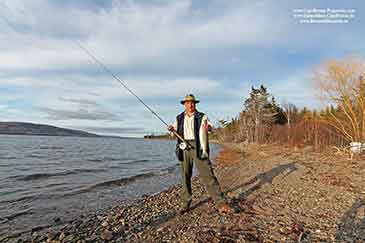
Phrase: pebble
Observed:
(62, 236)
(106, 235)
(118, 229)
(50, 236)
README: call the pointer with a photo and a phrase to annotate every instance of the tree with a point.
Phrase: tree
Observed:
(279, 113)
(258, 110)
(341, 84)
(305, 114)
(291, 113)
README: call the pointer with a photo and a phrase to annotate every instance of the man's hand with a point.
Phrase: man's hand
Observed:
(170, 128)
(207, 127)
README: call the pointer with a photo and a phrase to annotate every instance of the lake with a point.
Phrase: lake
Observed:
(48, 179)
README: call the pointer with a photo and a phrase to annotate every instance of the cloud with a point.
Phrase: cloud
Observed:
(113, 130)
(79, 114)
(90, 89)
(161, 38)
(138, 36)
(130, 34)
(78, 101)
(298, 89)
(161, 50)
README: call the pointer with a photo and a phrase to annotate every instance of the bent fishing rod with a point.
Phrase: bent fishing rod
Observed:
(106, 69)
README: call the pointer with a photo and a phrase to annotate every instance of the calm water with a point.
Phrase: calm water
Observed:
(44, 178)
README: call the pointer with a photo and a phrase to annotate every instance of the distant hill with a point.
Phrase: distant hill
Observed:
(24, 128)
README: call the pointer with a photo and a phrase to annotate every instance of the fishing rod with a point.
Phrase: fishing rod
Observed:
(183, 145)
(105, 68)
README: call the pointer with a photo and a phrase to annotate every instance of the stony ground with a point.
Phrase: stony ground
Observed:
(281, 194)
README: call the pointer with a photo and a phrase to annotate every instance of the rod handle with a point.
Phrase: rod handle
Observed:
(182, 139)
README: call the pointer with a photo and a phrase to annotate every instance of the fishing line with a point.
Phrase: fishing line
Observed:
(105, 68)
(119, 80)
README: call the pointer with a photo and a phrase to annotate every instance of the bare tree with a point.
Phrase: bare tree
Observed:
(340, 83)
(289, 111)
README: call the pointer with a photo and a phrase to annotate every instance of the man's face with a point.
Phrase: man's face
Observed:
(190, 106)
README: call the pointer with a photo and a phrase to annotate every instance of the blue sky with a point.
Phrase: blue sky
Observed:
(162, 50)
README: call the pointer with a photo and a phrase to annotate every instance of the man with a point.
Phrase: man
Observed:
(188, 125)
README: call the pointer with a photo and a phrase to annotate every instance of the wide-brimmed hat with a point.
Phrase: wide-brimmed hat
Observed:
(189, 97)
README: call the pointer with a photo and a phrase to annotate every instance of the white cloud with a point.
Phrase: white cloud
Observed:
(104, 87)
(296, 88)
(128, 34)
(160, 49)
(161, 36)
(80, 100)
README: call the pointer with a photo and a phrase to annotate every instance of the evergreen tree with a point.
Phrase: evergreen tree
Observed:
(279, 114)
(259, 110)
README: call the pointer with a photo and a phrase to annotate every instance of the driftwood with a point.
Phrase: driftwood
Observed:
(344, 151)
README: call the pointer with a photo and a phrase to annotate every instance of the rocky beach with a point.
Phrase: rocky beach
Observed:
(281, 194)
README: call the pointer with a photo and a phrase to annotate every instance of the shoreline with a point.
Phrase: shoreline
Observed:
(11, 232)
(284, 195)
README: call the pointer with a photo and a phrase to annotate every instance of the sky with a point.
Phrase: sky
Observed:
(162, 50)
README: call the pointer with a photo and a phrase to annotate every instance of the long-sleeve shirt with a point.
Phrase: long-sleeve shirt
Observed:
(189, 126)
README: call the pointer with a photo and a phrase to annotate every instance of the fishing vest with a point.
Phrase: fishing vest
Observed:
(198, 116)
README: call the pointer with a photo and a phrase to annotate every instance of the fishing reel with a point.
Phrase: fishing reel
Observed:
(183, 146)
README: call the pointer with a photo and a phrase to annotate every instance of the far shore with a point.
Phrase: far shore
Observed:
(169, 137)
